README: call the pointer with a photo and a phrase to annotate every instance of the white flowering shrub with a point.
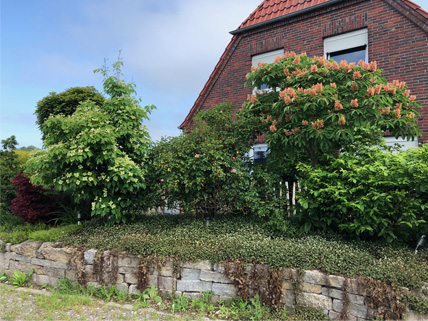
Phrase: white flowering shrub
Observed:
(98, 153)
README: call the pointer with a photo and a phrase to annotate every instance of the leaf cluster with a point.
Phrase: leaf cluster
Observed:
(65, 103)
(33, 203)
(9, 167)
(204, 171)
(97, 153)
(370, 193)
(321, 106)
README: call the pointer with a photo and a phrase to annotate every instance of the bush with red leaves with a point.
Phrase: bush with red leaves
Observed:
(34, 203)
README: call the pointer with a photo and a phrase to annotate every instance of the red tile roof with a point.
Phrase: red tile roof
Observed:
(416, 8)
(270, 9)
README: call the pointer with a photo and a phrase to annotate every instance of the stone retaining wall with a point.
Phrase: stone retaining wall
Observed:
(331, 293)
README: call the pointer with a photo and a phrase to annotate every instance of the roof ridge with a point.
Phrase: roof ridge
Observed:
(272, 9)
(269, 9)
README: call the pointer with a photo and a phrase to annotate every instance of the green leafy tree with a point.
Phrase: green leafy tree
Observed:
(98, 152)
(9, 167)
(65, 103)
(30, 148)
(320, 107)
(204, 171)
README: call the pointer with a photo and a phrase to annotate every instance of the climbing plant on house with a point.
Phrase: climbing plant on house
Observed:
(320, 107)
(97, 153)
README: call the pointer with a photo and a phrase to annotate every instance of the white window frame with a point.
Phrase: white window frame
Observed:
(406, 144)
(268, 58)
(257, 147)
(347, 41)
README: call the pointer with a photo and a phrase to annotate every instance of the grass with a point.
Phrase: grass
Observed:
(71, 302)
(18, 305)
(237, 237)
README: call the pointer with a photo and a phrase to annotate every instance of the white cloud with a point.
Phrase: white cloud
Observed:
(169, 49)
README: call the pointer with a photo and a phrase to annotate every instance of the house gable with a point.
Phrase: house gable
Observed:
(398, 40)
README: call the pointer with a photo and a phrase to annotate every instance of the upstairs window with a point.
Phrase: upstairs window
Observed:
(268, 58)
(351, 46)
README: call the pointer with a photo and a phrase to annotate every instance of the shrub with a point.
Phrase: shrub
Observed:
(34, 203)
(204, 171)
(369, 193)
(18, 233)
(54, 234)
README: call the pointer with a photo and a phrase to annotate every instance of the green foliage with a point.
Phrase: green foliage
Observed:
(18, 233)
(319, 107)
(203, 305)
(54, 234)
(8, 221)
(9, 167)
(19, 279)
(148, 296)
(64, 103)
(239, 309)
(205, 171)
(3, 277)
(303, 313)
(416, 303)
(246, 238)
(30, 148)
(369, 193)
(68, 287)
(180, 303)
(97, 153)
(22, 156)
(67, 214)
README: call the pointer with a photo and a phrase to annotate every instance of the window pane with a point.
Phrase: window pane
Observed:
(349, 55)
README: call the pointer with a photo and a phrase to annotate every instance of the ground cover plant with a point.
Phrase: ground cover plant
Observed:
(238, 237)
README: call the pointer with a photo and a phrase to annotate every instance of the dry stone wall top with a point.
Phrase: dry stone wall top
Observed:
(337, 296)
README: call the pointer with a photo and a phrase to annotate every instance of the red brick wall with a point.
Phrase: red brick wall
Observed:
(396, 43)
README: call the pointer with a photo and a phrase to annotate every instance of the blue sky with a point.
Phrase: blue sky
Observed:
(169, 50)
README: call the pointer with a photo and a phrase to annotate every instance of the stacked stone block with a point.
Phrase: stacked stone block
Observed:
(331, 293)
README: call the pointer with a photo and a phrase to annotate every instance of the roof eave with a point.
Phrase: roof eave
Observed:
(287, 16)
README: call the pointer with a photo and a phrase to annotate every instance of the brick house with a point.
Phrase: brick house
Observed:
(392, 32)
